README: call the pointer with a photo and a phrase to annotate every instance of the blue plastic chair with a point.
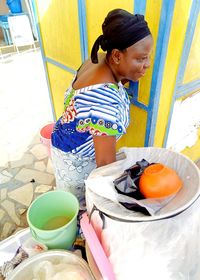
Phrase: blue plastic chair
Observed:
(5, 29)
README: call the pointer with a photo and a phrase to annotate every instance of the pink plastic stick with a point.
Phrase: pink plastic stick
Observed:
(96, 249)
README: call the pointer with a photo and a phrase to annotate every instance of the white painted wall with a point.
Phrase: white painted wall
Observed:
(185, 123)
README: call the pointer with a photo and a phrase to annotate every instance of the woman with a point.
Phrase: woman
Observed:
(96, 105)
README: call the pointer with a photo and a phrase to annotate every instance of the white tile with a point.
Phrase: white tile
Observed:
(4, 158)
(22, 210)
(4, 179)
(2, 213)
(39, 151)
(27, 159)
(3, 193)
(14, 171)
(10, 209)
(6, 173)
(50, 168)
(36, 139)
(26, 175)
(40, 166)
(43, 188)
(6, 230)
(23, 195)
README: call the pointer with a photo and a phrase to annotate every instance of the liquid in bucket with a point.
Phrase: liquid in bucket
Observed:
(52, 218)
(56, 222)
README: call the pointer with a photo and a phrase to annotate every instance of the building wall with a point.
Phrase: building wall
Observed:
(68, 29)
(178, 119)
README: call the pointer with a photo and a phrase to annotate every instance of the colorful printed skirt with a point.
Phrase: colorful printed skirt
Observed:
(70, 172)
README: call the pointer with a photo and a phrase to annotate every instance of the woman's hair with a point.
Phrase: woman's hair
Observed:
(121, 30)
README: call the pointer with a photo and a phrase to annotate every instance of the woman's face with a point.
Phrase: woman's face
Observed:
(134, 62)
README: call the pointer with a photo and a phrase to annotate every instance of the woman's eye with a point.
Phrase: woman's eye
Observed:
(142, 59)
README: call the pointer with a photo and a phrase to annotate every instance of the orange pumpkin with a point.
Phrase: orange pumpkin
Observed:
(159, 181)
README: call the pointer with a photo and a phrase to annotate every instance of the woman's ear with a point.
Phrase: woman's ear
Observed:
(116, 56)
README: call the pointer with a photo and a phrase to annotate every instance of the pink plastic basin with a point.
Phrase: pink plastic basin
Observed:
(45, 136)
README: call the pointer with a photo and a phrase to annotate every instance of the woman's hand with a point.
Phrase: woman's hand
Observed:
(105, 149)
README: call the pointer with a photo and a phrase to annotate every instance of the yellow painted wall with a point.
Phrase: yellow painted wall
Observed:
(59, 80)
(136, 130)
(61, 42)
(172, 64)
(192, 71)
(59, 27)
(96, 12)
(152, 15)
(176, 41)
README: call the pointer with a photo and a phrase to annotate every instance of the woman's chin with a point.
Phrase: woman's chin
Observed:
(135, 79)
(139, 76)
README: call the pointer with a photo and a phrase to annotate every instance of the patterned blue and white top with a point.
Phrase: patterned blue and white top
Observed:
(101, 109)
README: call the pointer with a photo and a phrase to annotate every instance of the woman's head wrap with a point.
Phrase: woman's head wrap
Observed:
(121, 30)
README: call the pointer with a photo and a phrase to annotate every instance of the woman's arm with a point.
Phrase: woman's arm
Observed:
(105, 149)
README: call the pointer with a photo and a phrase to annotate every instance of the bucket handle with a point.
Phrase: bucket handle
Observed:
(44, 239)
(101, 214)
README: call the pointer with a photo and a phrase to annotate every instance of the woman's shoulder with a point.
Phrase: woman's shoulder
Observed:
(103, 89)
(105, 93)
(95, 75)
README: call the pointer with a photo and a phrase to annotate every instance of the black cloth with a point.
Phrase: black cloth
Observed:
(121, 30)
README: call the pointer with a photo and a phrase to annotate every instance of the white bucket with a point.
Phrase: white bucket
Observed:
(165, 246)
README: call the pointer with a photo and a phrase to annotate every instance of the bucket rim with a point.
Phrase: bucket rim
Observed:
(59, 228)
(49, 253)
(98, 206)
(116, 216)
(45, 125)
(143, 219)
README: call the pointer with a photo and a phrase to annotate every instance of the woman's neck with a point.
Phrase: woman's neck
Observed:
(112, 70)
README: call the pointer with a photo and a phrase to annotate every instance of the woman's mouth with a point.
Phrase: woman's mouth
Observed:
(142, 74)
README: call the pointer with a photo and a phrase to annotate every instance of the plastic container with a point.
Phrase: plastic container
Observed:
(45, 136)
(161, 246)
(159, 181)
(26, 269)
(49, 206)
(14, 6)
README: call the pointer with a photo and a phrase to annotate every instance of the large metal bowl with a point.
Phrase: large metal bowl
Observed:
(26, 268)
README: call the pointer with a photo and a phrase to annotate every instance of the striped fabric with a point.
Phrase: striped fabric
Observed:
(101, 109)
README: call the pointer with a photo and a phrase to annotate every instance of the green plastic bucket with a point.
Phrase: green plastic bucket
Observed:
(49, 207)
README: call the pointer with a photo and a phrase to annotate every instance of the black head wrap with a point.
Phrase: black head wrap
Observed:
(121, 30)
